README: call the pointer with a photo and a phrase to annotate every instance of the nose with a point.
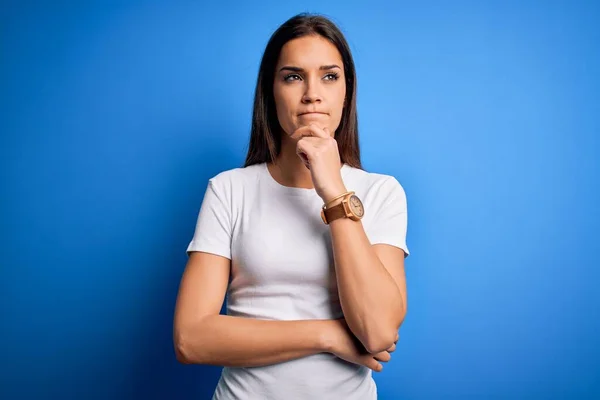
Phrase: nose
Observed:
(311, 93)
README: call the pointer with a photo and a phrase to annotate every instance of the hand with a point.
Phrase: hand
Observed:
(344, 345)
(319, 152)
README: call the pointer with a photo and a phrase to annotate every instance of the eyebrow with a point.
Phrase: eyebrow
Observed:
(298, 69)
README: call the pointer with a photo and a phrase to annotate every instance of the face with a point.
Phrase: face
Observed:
(309, 85)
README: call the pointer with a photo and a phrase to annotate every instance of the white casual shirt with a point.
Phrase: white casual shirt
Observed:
(282, 268)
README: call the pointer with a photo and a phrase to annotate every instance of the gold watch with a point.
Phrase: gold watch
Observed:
(350, 207)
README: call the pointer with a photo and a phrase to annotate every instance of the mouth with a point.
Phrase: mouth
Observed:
(312, 114)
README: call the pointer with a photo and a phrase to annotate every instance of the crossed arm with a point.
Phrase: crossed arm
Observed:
(202, 336)
(371, 284)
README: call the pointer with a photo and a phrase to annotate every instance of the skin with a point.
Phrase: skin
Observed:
(370, 278)
(309, 76)
(316, 88)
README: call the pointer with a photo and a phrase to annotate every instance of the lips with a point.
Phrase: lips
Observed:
(312, 114)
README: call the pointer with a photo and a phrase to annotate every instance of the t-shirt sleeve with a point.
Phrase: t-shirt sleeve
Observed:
(390, 220)
(213, 226)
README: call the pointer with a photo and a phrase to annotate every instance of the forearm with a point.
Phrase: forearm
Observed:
(244, 342)
(370, 298)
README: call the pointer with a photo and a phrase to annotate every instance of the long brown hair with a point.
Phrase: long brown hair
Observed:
(265, 136)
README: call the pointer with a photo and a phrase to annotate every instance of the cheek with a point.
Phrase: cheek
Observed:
(285, 109)
(338, 109)
(342, 96)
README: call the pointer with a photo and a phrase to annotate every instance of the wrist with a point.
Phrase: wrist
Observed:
(332, 194)
(327, 338)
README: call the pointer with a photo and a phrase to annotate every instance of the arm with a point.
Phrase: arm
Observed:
(370, 279)
(243, 342)
(202, 336)
(371, 284)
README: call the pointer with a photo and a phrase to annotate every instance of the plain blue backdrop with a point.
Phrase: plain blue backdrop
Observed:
(115, 114)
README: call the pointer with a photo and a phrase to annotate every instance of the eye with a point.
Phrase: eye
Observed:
(287, 77)
(333, 76)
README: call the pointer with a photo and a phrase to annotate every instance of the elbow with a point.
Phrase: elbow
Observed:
(181, 345)
(180, 349)
(377, 343)
(188, 343)
(382, 338)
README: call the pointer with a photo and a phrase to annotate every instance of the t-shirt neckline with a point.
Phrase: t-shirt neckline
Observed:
(293, 191)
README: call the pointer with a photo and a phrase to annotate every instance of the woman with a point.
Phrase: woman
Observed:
(314, 275)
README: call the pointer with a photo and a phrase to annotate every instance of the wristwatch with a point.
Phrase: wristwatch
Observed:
(350, 207)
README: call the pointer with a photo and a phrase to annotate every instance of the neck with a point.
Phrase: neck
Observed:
(288, 169)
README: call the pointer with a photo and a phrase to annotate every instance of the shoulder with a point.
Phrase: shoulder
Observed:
(370, 183)
(226, 180)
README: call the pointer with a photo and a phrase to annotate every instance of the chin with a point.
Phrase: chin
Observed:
(320, 124)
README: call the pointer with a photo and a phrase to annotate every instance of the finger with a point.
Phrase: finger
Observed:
(309, 130)
(373, 364)
(303, 150)
(308, 145)
(304, 159)
(316, 131)
(301, 132)
(383, 356)
(391, 349)
(378, 367)
(397, 337)
(303, 154)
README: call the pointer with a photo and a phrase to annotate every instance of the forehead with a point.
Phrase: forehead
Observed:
(309, 52)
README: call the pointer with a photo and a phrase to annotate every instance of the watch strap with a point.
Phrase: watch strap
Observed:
(335, 212)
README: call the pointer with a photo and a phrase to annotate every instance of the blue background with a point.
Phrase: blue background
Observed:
(114, 116)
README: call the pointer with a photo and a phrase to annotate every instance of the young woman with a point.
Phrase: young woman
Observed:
(308, 247)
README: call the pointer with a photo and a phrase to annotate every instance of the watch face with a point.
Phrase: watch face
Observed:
(356, 206)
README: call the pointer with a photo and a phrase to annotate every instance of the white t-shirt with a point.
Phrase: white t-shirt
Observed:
(282, 269)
